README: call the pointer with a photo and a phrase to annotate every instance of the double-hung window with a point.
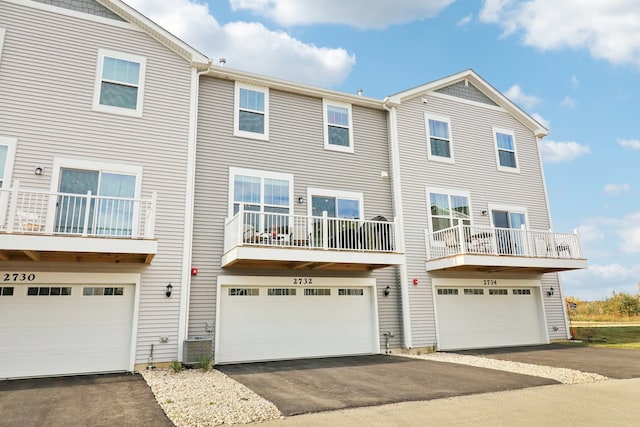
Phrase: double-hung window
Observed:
(448, 208)
(251, 114)
(506, 156)
(119, 86)
(338, 132)
(439, 141)
(266, 199)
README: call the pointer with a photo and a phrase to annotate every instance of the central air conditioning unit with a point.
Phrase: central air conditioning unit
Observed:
(196, 348)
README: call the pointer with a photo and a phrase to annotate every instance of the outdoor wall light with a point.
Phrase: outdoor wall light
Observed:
(300, 199)
(386, 291)
(169, 289)
(484, 213)
(550, 292)
(39, 170)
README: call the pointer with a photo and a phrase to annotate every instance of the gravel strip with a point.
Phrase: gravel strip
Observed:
(196, 398)
(563, 375)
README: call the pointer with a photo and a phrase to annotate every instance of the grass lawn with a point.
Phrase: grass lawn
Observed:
(616, 336)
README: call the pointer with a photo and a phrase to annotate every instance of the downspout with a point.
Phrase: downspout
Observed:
(394, 151)
(546, 198)
(185, 289)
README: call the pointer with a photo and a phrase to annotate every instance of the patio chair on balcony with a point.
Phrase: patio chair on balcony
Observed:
(300, 232)
(29, 221)
(249, 234)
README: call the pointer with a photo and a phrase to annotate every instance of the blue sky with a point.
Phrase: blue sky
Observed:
(574, 65)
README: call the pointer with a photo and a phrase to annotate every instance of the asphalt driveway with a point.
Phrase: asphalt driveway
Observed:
(88, 400)
(313, 385)
(610, 362)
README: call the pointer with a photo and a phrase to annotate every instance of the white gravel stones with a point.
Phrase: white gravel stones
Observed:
(196, 398)
(563, 375)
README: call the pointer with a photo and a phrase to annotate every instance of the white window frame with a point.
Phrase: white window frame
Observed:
(447, 120)
(325, 120)
(3, 32)
(236, 112)
(10, 143)
(233, 171)
(338, 194)
(91, 165)
(497, 150)
(508, 208)
(102, 54)
(449, 192)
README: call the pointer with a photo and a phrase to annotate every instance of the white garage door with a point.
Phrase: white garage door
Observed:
(270, 323)
(489, 317)
(64, 329)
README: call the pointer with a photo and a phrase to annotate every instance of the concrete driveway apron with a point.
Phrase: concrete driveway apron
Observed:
(312, 385)
(610, 362)
(89, 400)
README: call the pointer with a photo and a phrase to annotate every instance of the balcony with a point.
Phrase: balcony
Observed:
(282, 241)
(490, 249)
(44, 226)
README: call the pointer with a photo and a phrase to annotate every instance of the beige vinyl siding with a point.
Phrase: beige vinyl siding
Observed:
(295, 146)
(474, 171)
(46, 92)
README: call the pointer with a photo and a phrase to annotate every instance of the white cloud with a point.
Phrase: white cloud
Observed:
(574, 81)
(616, 189)
(356, 13)
(634, 144)
(607, 29)
(544, 122)
(599, 281)
(556, 152)
(590, 233)
(629, 231)
(516, 94)
(568, 102)
(249, 46)
(464, 21)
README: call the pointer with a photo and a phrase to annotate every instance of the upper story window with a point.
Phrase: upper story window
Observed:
(7, 154)
(119, 86)
(448, 209)
(111, 211)
(266, 197)
(506, 155)
(337, 204)
(251, 114)
(2, 34)
(338, 132)
(439, 146)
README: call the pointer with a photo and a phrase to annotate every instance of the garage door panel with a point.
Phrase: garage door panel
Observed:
(486, 320)
(65, 334)
(271, 327)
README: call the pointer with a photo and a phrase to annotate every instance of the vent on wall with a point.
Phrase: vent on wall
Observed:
(195, 348)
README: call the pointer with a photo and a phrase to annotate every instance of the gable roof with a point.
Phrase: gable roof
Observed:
(156, 31)
(483, 86)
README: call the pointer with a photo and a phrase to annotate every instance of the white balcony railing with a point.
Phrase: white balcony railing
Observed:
(250, 228)
(466, 239)
(42, 212)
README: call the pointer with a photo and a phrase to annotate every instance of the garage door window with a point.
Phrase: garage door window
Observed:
(281, 291)
(96, 291)
(6, 291)
(498, 292)
(522, 291)
(49, 291)
(317, 292)
(447, 292)
(351, 292)
(474, 291)
(244, 292)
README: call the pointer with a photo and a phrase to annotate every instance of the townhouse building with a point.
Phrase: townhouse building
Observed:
(97, 105)
(155, 207)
